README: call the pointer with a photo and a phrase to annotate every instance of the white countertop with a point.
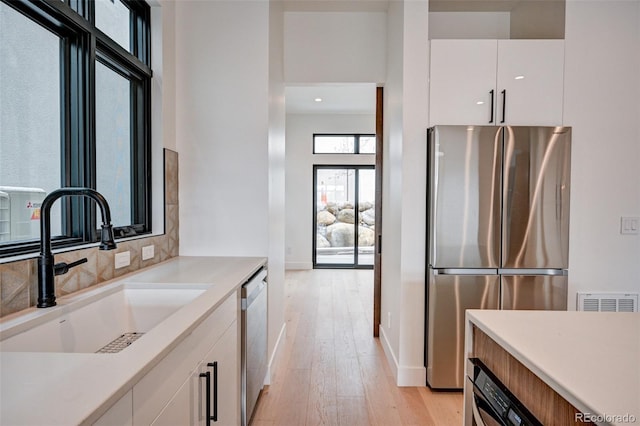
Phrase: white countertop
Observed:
(44, 388)
(592, 359)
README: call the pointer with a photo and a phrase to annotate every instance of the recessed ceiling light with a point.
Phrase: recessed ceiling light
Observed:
(318, 99)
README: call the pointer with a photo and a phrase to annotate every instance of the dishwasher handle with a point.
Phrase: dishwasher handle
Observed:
(252, 289)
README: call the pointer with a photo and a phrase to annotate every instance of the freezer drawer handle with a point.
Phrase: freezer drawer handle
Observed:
(553, 272)
(454, 271)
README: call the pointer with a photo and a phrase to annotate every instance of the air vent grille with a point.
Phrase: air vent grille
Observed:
(608, 302)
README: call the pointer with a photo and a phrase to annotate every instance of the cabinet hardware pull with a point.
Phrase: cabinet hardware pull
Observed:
(215, 389)
(504, 104)
(491, 92)
(207, 377)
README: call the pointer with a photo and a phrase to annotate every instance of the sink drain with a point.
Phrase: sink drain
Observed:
(120, 343)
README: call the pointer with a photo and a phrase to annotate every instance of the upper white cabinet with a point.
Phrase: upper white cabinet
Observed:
(531, 77)
(463, 81)
(496, 82)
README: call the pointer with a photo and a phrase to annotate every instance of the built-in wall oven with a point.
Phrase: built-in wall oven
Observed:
(489, 403)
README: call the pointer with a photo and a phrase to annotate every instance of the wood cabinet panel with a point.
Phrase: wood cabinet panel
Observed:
(543, 402)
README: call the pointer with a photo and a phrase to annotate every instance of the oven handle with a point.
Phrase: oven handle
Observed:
(477, 418)
(479, 405)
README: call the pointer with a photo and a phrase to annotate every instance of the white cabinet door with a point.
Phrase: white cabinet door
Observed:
(462, 82)
(222, 363)
(154, 391)
(496, 82)
(531, 78)
(189, 405)
(179, 410)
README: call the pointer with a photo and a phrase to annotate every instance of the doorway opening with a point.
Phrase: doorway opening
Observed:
(344, 205)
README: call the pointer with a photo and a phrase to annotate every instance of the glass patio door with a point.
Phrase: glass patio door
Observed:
(344, 218)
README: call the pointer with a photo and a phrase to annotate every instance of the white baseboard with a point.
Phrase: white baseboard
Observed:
(298, 265)
(412, 376)
(405, 375)
(391, 357)
(276, 349)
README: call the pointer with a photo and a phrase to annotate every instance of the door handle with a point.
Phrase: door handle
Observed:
(207, 377)
(504, 105)
(214, 365)
(492, 93)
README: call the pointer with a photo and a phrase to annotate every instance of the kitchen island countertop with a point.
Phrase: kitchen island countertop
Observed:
(591, 359)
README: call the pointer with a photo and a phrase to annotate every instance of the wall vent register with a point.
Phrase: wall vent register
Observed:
(608, 302)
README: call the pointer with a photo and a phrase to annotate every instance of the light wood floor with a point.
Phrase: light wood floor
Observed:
(331, 371)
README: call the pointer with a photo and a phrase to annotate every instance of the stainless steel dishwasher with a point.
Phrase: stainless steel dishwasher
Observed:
(254, 342)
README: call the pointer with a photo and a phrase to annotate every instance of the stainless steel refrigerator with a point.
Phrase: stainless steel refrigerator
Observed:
(498, 230)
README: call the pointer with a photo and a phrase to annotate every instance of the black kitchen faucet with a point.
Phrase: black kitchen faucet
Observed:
(46, 267)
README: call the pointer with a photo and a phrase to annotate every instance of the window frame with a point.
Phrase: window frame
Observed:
(356, 143)
(82, 44)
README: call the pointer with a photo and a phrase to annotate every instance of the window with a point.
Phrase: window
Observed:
(75, 87)
(344, 144)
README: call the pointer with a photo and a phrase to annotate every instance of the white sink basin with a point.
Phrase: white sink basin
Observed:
(88, 322)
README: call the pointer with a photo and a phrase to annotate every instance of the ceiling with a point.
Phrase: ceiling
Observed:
(336, 99)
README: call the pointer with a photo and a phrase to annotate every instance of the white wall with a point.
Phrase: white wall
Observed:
(416, 112)
(404, 191)
(390, 306)
(229, 106)
(168, 75)
(602, 103)
(222, 126)
(538, 19)
(469, 25)
(299, 178)
(163, 95)
(276, 180)
(329, 47)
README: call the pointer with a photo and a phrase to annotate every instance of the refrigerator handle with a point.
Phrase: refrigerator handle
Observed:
(558, 202)
(504, 105)
(464, 271)
(432, 189)
(492, 93)
(533, 271)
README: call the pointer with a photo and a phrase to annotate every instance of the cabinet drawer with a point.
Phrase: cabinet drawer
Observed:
(158, 386)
